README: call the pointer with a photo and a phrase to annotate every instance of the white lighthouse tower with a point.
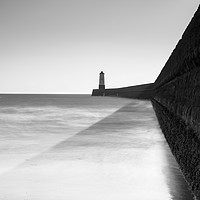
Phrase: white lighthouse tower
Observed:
(101, 81)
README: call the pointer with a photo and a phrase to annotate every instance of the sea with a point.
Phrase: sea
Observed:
(79, 147)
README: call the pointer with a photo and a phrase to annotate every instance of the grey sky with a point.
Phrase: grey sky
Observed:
(60, 46)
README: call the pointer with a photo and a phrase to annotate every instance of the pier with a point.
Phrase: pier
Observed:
(175, 95)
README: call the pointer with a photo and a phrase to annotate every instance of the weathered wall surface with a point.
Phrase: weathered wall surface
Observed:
(184, 144)
(186, 55)
(177, 103)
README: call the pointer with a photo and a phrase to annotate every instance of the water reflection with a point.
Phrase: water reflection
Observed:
(124, 156)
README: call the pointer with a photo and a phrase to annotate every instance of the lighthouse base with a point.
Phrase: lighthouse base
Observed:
(97, 92)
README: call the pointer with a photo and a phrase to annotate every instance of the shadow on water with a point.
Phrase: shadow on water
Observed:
(114, 131)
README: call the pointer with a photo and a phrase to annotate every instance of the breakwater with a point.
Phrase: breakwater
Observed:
(144, 91)
(176, 102)
(184, 144)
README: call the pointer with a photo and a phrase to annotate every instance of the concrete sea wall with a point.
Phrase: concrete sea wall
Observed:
(177, 103)
(184, 144)
(186, 55)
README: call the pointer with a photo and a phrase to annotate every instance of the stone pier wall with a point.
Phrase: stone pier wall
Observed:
(177, 103)
(144, 91)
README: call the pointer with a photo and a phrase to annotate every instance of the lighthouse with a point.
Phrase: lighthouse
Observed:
(101, 91)
(101, 81)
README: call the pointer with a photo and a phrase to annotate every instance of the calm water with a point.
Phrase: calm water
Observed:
(76, 147)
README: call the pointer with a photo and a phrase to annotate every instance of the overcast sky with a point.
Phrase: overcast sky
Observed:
(60, 46)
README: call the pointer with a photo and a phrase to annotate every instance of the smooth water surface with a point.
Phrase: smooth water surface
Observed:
(75, 147)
